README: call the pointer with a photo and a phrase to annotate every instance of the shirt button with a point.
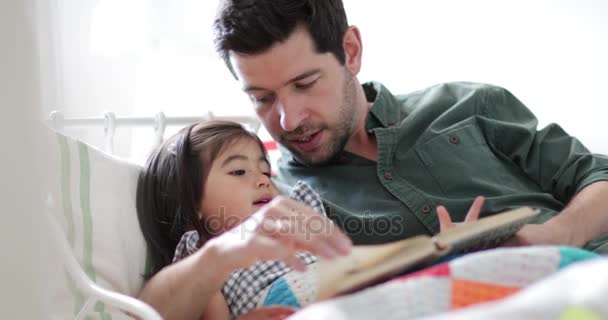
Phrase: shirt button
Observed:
(388, 176)
(454, 139)
(426, 208)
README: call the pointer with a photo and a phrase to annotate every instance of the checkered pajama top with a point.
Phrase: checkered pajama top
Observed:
(245, 288)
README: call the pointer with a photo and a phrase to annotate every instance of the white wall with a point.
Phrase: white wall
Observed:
(144, 56)
(549, 53)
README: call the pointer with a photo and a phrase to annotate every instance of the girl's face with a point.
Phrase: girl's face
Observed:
(238, 184)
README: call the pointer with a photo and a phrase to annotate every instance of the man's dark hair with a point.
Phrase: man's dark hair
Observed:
(253, 26)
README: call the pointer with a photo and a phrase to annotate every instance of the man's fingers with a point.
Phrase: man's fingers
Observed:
(445, 222)
(475, 209)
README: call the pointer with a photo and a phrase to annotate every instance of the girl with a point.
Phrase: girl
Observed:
(205, 200)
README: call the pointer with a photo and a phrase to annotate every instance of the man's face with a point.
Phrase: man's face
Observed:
(306, 100)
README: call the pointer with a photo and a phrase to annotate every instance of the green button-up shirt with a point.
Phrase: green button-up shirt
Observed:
(446, 145)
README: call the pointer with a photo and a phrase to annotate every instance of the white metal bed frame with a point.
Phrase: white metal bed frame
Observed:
(159, 122)
(110, 122)
(92, 291)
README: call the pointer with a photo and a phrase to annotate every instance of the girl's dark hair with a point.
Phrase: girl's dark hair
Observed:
(171, 185)
(253, 26)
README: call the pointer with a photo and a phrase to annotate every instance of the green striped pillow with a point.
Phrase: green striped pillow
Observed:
(92, 196)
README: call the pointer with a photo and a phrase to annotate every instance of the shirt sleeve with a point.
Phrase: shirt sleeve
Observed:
(558, 162)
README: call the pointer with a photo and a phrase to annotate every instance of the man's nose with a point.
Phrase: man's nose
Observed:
(292, 113)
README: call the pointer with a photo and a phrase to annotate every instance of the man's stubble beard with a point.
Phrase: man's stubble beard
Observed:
(339, 134)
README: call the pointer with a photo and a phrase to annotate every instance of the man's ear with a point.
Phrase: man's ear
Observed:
(353, 49)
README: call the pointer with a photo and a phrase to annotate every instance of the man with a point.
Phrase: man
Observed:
(384, 163)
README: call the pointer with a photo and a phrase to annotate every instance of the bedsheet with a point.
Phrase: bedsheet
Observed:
(579, 292)
(470, 280)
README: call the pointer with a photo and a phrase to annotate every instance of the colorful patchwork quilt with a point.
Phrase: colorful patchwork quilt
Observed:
(468, 280)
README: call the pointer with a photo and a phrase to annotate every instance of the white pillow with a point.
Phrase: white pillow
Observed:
(92, 196)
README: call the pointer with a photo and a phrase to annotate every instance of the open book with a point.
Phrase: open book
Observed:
(368, 263)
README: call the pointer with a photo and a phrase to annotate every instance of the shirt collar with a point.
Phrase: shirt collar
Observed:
(385, 109)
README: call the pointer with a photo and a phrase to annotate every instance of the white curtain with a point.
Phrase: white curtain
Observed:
(24, 240)
(139, 57)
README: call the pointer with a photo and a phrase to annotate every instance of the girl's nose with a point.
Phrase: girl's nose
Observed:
(263, 181)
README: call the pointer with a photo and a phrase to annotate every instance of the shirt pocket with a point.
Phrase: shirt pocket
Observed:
(462, 164)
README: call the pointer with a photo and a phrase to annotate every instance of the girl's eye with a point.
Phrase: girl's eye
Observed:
(237, 172)
(268, 174)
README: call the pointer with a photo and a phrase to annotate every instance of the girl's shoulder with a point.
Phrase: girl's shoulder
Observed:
(304, 193)
(187, 245)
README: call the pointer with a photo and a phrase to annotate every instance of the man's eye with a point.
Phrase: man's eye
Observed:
(304, 86)
(237, 172)
(260, 101)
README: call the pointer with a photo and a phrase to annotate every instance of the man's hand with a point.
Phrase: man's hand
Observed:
(445, 221)
(548, 233)
(583, 219)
